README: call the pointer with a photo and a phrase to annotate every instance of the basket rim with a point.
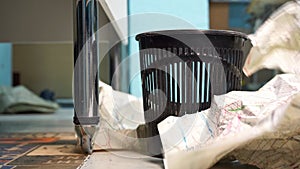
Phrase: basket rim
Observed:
(192, 31)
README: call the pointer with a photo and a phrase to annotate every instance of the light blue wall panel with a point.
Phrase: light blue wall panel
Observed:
(5, 64)
(150, 15)
(238, 16)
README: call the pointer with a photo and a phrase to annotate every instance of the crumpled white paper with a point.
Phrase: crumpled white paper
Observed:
(120, 115)
(120, 110)
(276, 43)
(252, 127)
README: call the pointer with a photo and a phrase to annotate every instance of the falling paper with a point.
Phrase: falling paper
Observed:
(276, 43)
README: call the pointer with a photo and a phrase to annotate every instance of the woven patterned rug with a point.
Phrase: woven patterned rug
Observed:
(39, 151)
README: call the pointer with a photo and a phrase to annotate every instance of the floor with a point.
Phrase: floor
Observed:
(47, 141)
(60, 121)
(39, 141)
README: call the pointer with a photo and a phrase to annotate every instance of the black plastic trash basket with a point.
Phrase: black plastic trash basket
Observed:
(182, 69)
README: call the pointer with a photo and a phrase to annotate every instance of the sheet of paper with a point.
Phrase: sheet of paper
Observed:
(276, 43)
(120, 115)
(251, 126)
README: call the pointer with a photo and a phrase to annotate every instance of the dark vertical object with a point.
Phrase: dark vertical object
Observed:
(183, 89)
(16, 78)
(200, 86)
(195, 74)
(86, 55)
(206, 87)
(173, 88)
(189, 74)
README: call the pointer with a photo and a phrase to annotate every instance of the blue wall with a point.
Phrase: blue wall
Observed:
(238, 15)
(5, 64)
(150, 15)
